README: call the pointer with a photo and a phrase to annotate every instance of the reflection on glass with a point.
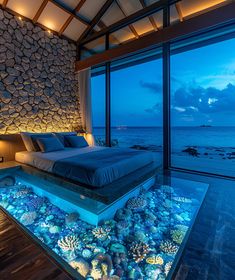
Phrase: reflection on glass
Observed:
(136, 106)
(98, 108)
(202, 108)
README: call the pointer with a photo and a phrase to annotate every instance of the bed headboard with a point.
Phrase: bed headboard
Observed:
(9, 145)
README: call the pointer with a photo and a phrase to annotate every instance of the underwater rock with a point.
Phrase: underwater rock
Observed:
(123, 214)
(139, 251)
(7, 181)
(55, 229)
(28, 218)
(168, 247)
(191, 151)
(118, 248)
(101, 232)
(155, 259)
(69, 243)
(81, 266)
(71, 218)
(136, 203)
(140, 236)
(177, 236)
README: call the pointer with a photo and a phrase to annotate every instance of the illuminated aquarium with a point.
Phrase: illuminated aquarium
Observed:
(142, 240)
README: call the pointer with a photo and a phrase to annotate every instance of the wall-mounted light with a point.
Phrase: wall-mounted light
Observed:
(1, 157)
(20, 18)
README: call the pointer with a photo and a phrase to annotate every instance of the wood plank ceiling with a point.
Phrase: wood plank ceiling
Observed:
(80, 20)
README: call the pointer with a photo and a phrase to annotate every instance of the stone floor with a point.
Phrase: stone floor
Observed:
(210, 250)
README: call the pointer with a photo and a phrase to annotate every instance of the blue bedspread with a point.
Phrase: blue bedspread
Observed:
(102, 167)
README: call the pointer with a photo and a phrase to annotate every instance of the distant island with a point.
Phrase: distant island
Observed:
(205, 125)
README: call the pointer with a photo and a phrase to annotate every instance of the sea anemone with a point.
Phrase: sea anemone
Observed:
(139, 251)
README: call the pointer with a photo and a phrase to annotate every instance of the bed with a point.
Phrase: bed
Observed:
(94, 166)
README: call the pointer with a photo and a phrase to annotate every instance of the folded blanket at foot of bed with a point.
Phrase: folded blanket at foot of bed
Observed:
(102, 167)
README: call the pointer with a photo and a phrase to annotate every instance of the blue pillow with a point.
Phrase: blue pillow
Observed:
(29, 140)
(61, 136)
(76, 141)
(49, 144)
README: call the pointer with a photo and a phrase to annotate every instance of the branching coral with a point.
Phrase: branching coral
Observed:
(101, 232)
(69, 243)
(139, 251)
(168, 247)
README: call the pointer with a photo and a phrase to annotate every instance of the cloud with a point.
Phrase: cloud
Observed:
(204, 100)
(155, 88)
(157, 108)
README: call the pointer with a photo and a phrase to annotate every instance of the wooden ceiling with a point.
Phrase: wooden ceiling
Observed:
(82, 20)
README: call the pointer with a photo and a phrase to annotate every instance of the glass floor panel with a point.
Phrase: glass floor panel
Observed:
(144, 240)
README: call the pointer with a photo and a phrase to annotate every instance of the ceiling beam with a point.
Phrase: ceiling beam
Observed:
(4, 3)
(69, 12)
(132, 28)
(40, 10)
(149, 10)
(151, 18)
(179, 11)
(68, 21)
(202, 22)
(96, 19)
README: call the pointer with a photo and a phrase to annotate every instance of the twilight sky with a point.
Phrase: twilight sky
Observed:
(202, 90)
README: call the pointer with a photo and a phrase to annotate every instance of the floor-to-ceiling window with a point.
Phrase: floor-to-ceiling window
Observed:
(203, 108)
(136, 105)
(98, 107)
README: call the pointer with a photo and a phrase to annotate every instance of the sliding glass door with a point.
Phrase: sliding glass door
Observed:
(203, 108)
(136, 105)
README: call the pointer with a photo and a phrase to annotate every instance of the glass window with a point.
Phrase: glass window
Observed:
(202, 108)
(136, 104)
(98, 108)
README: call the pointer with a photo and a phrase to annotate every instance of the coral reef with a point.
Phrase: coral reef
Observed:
(177, 236)
(139, 251)
(167, 267)
(28, 218)
(101, 232)
(69, 243)
(182, 199)
(155, 259)
(136, 203)
(168, 247)
(141, 241)
(81, 266)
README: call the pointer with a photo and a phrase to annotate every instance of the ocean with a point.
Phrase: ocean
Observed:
(181, 137)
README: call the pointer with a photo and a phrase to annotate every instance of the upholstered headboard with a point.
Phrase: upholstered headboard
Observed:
(9, 145)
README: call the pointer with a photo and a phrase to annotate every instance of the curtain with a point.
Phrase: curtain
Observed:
(84, 84)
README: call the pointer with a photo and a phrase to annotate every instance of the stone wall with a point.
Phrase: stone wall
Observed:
(38, 84)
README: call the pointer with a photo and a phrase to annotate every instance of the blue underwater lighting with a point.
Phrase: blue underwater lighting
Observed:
(143, 241)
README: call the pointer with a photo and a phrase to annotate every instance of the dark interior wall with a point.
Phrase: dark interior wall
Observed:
(38, 83)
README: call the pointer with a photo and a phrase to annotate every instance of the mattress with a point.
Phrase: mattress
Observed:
(93, 166)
